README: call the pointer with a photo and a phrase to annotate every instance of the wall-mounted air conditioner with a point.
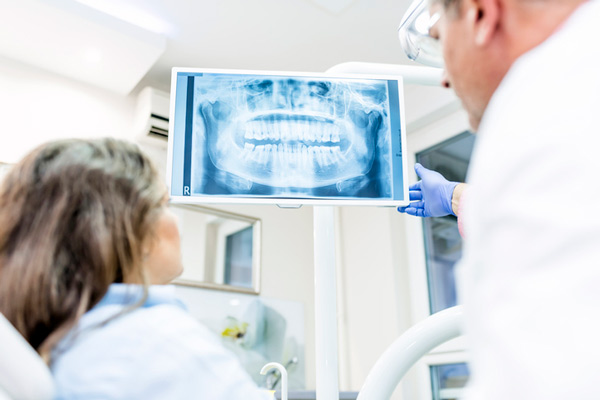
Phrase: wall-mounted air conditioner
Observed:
(152, 115)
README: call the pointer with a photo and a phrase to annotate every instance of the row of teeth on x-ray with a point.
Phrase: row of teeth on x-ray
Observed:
(299, 155)
(298, 131)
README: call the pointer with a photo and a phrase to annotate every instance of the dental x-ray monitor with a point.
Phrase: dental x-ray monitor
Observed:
(286, 138)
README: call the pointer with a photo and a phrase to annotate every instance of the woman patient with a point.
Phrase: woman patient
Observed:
(86, 245)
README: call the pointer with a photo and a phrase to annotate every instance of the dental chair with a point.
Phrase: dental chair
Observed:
(23, 373)
(405, 351)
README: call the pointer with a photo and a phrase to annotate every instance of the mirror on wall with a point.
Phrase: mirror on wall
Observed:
(220, 250)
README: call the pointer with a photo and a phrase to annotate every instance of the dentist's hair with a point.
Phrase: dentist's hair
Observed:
(74, 217)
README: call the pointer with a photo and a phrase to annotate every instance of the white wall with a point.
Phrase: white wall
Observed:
(286, 264)
(37, 106)
(374, 308)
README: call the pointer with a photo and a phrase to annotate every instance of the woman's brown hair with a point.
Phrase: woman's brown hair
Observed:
(74, 217)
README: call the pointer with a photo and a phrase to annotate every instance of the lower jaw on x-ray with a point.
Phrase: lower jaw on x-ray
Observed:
(290, 137)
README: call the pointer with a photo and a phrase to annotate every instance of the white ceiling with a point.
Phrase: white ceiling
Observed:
(291, 35)
(76, 41)
(287, 35)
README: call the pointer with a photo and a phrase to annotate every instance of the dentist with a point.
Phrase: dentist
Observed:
(527, 74)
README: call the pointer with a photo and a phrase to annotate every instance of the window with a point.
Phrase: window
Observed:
(443, 244)
(448, 380)
(434, 247)
(238, 258)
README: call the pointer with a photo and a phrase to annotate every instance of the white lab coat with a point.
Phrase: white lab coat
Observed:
(530, 275)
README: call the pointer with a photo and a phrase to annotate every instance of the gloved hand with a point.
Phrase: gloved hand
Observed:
(434, 193)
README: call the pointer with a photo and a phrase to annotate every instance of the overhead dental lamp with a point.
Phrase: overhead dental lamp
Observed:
(413, 33)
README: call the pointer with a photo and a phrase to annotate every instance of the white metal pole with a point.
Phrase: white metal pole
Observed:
(326, 345)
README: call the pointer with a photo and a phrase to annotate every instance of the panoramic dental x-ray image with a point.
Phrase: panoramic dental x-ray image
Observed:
(297, 137)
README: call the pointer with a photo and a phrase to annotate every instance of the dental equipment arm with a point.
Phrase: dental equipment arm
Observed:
(412, 74)
(417, 341)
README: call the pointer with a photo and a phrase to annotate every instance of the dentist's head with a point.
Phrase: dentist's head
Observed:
(480, 40)
(76, 216)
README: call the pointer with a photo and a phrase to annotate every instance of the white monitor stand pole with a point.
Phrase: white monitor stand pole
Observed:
(326, 335)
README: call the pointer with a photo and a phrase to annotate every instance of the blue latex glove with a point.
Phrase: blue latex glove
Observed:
(433, 192)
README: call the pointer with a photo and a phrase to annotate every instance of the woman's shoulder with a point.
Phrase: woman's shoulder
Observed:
(161, 316)
(163, 326)
(160, 323)
(140, 346)
(156, 351)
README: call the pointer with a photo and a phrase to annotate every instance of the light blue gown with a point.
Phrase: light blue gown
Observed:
(157, 351)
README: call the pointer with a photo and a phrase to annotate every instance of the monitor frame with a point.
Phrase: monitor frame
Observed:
(290, 201)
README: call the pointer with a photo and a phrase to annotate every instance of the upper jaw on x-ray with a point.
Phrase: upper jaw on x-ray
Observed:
(289, 135)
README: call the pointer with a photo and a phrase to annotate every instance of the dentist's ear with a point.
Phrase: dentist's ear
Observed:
(486, 20)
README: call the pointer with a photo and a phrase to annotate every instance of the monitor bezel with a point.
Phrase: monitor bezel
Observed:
(287, 201)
